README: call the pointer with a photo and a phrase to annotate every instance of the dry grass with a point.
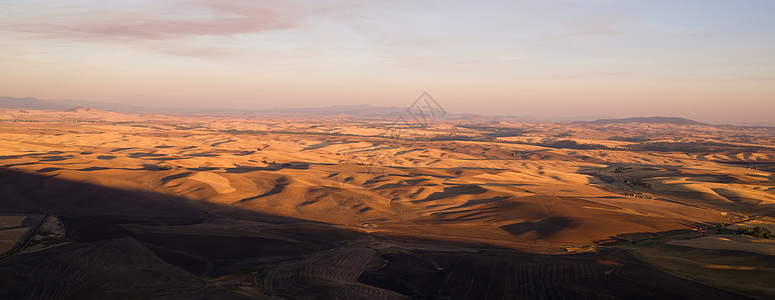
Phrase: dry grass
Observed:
(748, 274)
(9, 238)
(11, 221)
(293, 168)
(729, 242)
(507, 193)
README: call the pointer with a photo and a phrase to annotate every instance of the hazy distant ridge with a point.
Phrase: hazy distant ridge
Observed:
(649, 120)
(360, 111)
(30, 103)
(34, 103)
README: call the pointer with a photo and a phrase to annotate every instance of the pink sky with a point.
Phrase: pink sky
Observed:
(707, 60)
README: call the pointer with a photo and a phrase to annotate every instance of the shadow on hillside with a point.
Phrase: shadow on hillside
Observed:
(543, 228)
(135, 235)
(141, 244)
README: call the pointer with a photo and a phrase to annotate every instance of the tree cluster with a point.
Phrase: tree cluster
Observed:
(757, 231)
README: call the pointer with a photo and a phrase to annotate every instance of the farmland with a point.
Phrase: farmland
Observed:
(252, 207)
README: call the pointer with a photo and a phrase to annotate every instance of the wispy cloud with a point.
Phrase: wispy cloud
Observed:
(581, 30)
(151, 23)
(155, 27)
(143, 28)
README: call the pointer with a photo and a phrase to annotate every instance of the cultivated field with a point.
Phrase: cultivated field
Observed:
(713, 260)
(317, 277)
(510, 275)
(11, 221)
(203, 197)
(14, 230)
(730, 242)
(10, 237)
(50, 234)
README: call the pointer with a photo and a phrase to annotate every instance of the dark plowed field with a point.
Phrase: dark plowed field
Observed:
(117, 268)
(326, 276)
(609, 274)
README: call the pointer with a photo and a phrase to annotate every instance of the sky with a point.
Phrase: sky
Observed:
(709, 60)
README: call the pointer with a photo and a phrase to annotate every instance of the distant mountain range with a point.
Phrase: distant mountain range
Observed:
(362, 111)
(648, 120)
(31, 103)
(34, 103)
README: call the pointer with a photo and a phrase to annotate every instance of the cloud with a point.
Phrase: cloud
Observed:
(146, 28)
(568, 76)
(581, 30)
(151, 22)
(177, 28)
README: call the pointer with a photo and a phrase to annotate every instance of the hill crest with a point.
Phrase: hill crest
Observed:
(647, 120)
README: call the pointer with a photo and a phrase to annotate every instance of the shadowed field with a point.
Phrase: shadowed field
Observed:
(498, 275)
